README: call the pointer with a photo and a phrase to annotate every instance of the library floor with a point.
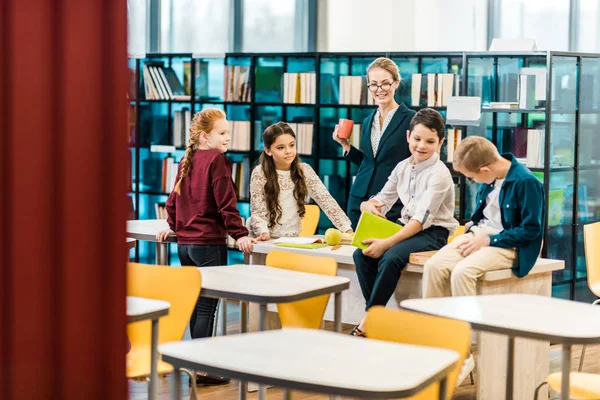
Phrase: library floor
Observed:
(138, 390)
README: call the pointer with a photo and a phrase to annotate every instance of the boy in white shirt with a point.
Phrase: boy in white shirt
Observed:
(425, 186)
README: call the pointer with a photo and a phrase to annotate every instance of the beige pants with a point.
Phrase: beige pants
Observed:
(449, 273)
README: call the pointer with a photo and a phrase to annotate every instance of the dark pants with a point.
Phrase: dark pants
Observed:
(378, 277)
(193, 255)
(354, 210)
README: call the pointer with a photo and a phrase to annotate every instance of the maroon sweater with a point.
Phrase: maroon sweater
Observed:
(206, 211)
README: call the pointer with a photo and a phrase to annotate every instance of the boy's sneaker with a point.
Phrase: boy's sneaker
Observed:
(466, 369)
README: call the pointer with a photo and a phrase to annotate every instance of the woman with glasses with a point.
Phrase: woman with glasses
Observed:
(383, 139)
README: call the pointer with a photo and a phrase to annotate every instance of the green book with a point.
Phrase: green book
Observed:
(305, 242)
(303, 246)
(373, 227)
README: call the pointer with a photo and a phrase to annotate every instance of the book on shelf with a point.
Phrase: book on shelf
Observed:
(304, 136)
(527, 92)
(169, 174)
(181, 127)
(433, 90)
(454, 138)
(355, 136)
(535, 148)
(160, 210)
(237, 83)
(299, 87)
(353, 90)
(161, 83)
(504, 104)
(240, 173)
(240, 135)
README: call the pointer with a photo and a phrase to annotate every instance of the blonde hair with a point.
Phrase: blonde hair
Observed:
(203, 121)
(387, 65)
(473, 153)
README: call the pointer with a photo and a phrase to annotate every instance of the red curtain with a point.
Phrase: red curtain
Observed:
(63, 82)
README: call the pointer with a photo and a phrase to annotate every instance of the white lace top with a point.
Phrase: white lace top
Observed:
(290, 225)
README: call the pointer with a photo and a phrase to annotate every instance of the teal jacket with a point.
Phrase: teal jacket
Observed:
(522, 209)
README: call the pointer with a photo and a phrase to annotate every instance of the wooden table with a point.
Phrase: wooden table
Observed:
(146, 229)
(141, 309)
(519, 315)
(316, 361)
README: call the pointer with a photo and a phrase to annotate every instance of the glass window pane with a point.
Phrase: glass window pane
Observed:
(269, 25)
(192, 26)
(136, 26)
(546, 21)
(589, 26)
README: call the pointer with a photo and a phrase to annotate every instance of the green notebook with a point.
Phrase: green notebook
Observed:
(305, 242)
(303, 246)
(373, 227)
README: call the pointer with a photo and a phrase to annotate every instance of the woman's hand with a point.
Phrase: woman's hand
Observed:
(376, 247)
(163, 235)
(245, 244)
(344, 142)
(264, 236)
(373, 208)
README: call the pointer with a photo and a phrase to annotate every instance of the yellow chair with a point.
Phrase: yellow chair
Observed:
(582, 386)
(419, 329)
(304, 313)
(180, 287)
(460, 230)
(591, 238)
(310, 221)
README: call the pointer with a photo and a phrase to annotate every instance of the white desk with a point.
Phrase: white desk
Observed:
(316, 361)
(533, 317)
(146, 229)
(140, 309)
(268, 285)
(130, 243)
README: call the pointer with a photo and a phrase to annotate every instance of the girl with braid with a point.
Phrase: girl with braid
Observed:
(202, 210)
(279, 186)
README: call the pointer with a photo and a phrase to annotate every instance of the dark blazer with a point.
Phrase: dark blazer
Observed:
(373, 172)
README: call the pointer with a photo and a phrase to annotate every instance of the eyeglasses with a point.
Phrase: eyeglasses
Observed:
(384, 86)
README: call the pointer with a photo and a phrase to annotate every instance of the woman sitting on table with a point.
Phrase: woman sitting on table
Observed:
(279, 186)
(383, 139)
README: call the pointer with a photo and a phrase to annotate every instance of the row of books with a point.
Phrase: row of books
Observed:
(181, 128)
(353, 90)
(240, 173)
(299, 87)
(169, 174)
(433, 90)
(237, 83)
(454, 137)
(239, 132)
(304, 136)
(161, 83)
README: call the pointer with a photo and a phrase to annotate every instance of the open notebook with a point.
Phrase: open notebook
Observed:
(373, 227)
(300, 242)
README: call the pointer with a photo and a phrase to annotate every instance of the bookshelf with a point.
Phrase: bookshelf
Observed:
(314, 90)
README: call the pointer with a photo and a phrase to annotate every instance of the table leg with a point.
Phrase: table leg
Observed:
(152, 386)
(262, 325)
(510, 368)
(337, 313)
(243, 386)
(565, 386)
(162, 250)
(443, 387)
(176, 384)
(224, 319)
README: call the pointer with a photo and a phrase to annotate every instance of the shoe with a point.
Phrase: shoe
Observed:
(466, 369)
(357, 332)
(211, 380)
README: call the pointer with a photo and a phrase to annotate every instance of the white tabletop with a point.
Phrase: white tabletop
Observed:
(261, 284)
(535, 317)
(343, 255)
(140, 309)
(130, 243)
(316, 360)
(146, 229)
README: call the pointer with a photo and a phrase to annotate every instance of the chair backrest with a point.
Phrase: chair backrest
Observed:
(460, 230)
(304, 313)
(179, 286)
(310, 221)
(426, 330)
(591, 240)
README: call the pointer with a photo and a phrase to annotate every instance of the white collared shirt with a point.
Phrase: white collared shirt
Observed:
(426, 190)
(377, 131)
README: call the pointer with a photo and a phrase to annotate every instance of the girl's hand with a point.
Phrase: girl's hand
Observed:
(371, 207)
(344, 142)
(468, 225)
(376, 247)
(264, 236)
(245, 244)
(163, 235)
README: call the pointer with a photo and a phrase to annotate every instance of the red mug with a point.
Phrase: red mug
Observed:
(345, 128)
